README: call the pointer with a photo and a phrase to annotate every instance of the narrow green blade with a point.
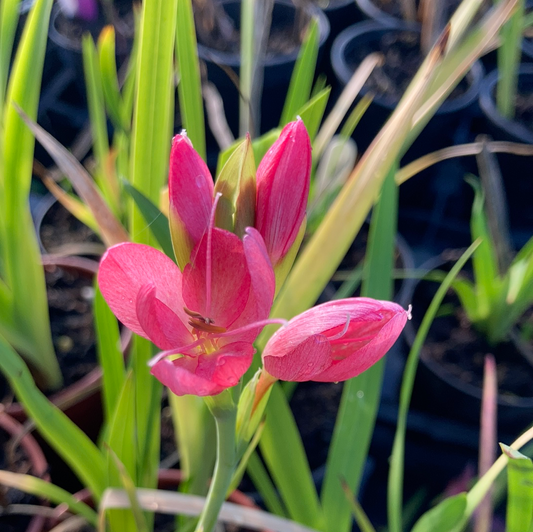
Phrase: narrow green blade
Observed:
(189, 86)
(302, 75)
(519, 491)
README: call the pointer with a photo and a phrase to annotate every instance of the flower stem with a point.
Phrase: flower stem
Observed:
(225, 414)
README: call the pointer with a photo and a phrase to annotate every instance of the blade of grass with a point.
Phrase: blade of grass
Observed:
(9, 15)
(287, 462)
(104, 174)
(302, 75)
(396, 472)
(110, 355)
(362, 520)
(20, 253)
(519, 491)
(360, 397)
(189, 86)
(155, 219)
(263, 483)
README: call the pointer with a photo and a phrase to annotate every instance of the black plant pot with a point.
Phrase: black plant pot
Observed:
(442, 386)
(450, 124)
(277, 67)
(516, 170)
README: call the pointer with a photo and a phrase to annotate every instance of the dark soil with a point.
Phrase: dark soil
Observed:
(457, 347)
(70, 294)
(61, 232)
(402, 59)
(13, 458)
(314, 406)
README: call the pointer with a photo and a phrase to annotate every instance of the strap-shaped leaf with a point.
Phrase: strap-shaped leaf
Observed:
(67, 439)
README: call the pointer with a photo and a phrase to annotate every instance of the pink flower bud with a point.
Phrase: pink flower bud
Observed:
(282, 190)
(190, 188)
(334, 341)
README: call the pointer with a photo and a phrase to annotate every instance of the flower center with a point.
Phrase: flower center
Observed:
(201, 324)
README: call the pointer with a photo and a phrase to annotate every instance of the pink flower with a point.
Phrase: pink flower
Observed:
(190, 189)
(204, 319)
(283, 189)
(334, 341)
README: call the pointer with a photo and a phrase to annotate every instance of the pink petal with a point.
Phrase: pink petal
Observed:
(126, 268)
(230, 280)
(361, 359)
(161, 325)
(206, 374)
(358, 331)
(191, 197)
(301, 362)
(262, 286)
(282, 189)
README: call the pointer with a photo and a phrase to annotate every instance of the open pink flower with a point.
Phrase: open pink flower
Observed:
(334, 341)
(204, 319)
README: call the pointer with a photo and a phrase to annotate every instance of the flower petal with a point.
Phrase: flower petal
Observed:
(262, 286)
(126, 268)
(161, 325)
(208, 374)
(191, 198)
(230, 280)
(299, 363)
(282, 189)
(358, 331)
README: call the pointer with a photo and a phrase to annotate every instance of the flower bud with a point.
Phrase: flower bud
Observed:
(190, 187)
(282, 190)
(334, 341)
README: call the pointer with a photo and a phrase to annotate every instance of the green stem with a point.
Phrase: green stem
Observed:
(225, 414)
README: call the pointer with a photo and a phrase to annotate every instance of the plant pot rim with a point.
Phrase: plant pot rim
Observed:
(375, 14)
(525, 403)
(35, 455)
(488, 105)
(344, 73)
(233, 60)
(90, 383)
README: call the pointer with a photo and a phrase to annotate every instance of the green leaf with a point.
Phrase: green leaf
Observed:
(46, 490)
(110, 86)
(444, 517)
(195, 434)
(21, 266)
(283, 452)
(9, 15)
(396, 471)
(302, 75)
(189, 86)
(155, 219)
(519, 491)
(122, 448)
(360, 398)
(104, 174)
(109, 352)
(60, 432)
(263, 483)
(313, 112)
